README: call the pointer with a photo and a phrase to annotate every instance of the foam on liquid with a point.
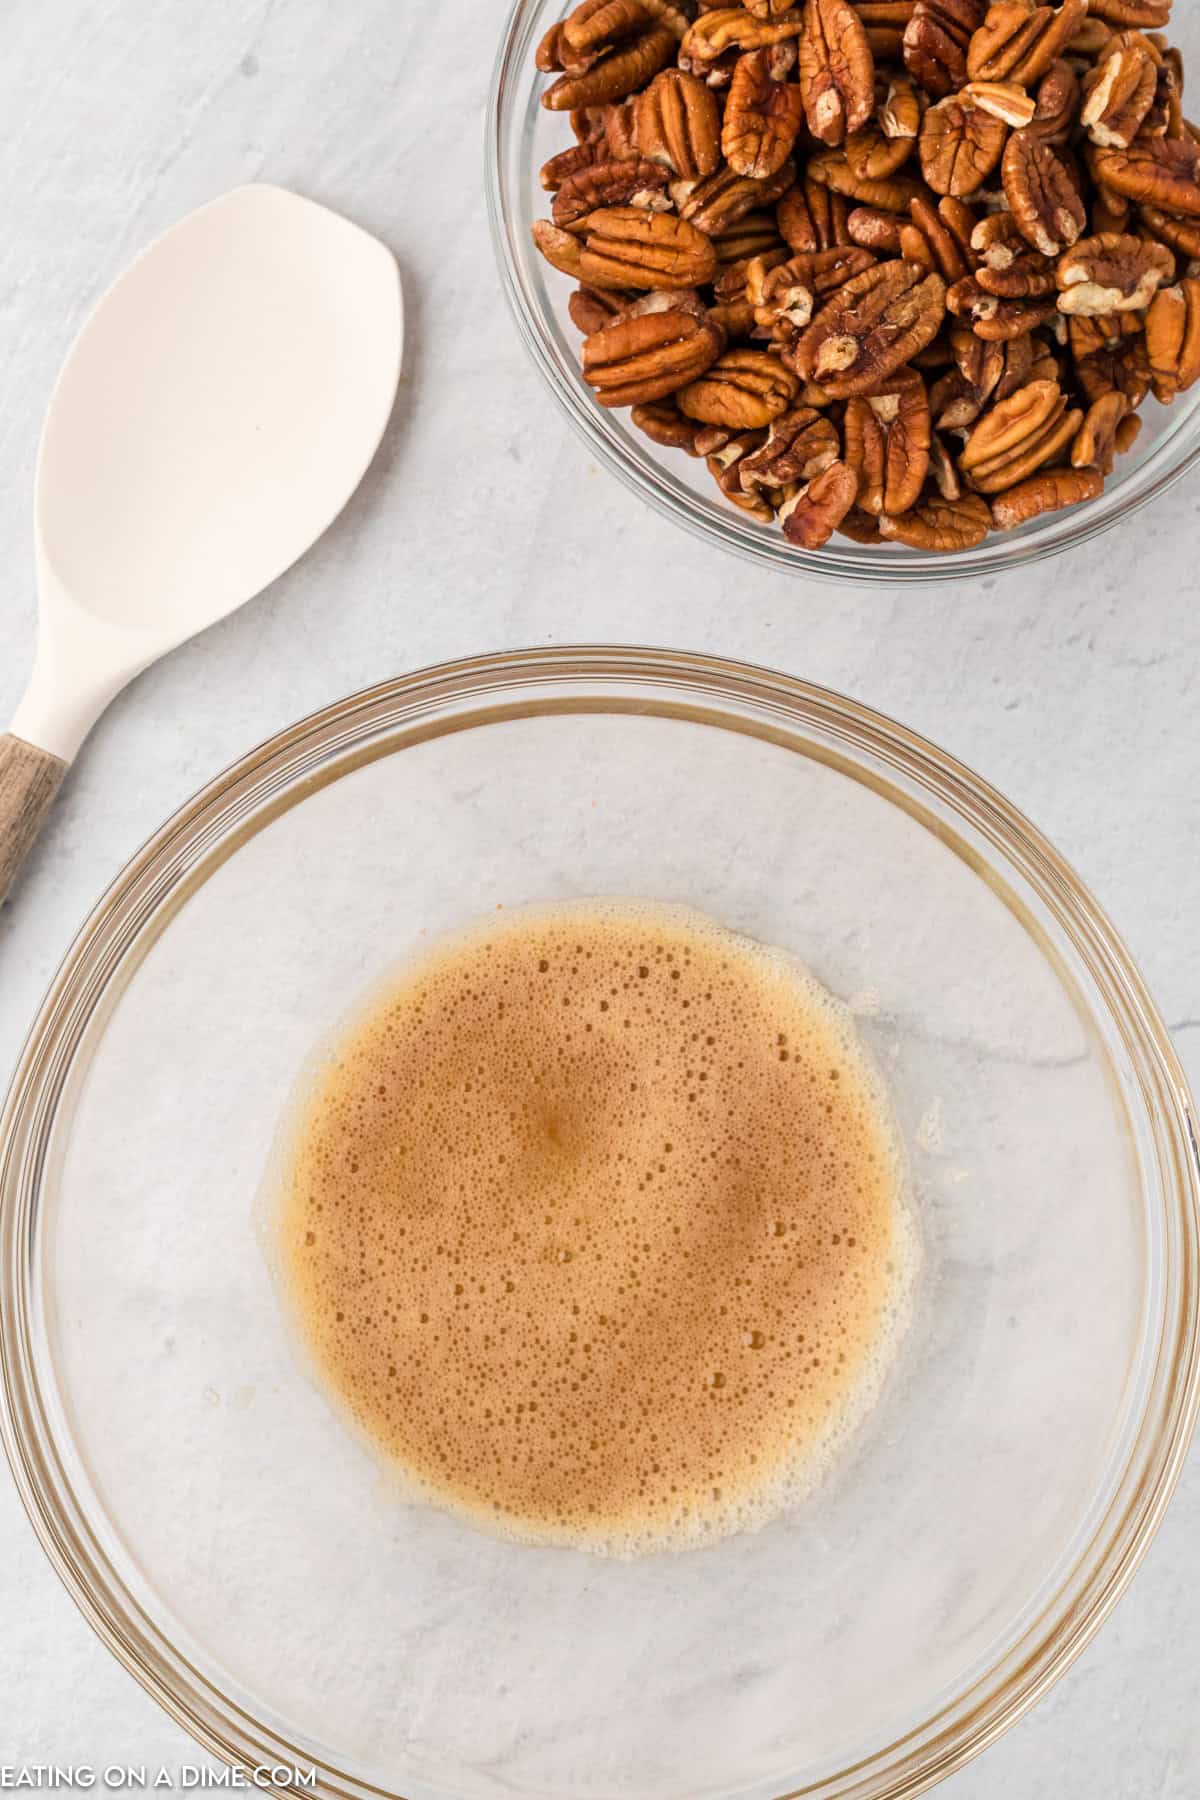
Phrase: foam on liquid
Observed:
(594, 1220)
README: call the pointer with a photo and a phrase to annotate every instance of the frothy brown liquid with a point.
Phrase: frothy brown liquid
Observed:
(594, 1221)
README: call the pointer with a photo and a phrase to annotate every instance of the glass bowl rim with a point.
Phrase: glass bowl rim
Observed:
(838, 561)
(378, 721)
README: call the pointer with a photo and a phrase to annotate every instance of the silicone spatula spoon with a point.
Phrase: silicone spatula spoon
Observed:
(214, 415)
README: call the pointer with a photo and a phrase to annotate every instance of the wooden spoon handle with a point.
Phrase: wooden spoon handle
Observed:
(29, 780)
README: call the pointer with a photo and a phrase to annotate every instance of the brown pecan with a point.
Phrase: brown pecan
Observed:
(1095, 445)
(724, 465)
(887, 438)
(900, 114)
(568, 162)
(936, 39)
(872, 155)
(596, 25)
(1110, 356)
(994, 318)
(1041, 193)
(1003, 99)
(831, 169)
(875, 230)
(951, 256)
(959, 146)
(616, 75)
(1057, 101)
(811, 516)
(937, 524)
(720, 200)
(1173, 339)
(1161, 172)
(1018, 41)
(1181, 235)
(626, 247)
(1024, 357)
(768, 9)
(762, 115)
(592, 308)
(1120, 90)
(632, 360)
(676, 15)
(870, 328)
(1112, 273)
(1047, 492)
(837, 70)
(561, 249)
(640, 184)
(554, 53)
(800, 445)
(1147, 15)
(860, 527)
(733, 28)
(662, 421)
(1018, 436)
(677, 123)
(743, 390)
(1007, 266)
(754, 234)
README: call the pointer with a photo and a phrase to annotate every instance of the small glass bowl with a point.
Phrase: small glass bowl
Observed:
(520, 136)
(230, 1538)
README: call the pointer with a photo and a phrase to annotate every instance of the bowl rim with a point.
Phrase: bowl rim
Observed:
(653, 482)
(382, 720)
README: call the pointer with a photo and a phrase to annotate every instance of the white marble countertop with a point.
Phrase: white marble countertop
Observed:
(484, 525)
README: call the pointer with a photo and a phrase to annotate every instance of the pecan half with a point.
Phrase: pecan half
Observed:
(992, 317)
(831, 169)
(720, 200)
(887, 438)
(1112, 273)
(1095, 445)
(938, 524)
(762, 114)
(592, 308)
(724, 465)
(872, 229)
(801, 444)
(596, 25)
(959, 146)
(1048, 492)
(733, 28)
(860, 527)
(1018, 41)
(1173, 339)
(1148, 15)
(1057, 102)
(664, 424)
(936, 39)
(626, 247)
(872, 155)
(1110, 356)
(1179, 234)
(645, 357)
(837, 70)
(568, 162)
(743, 390)
(677, 122)
(1018, 436)
(810, 517)
(1161, 172)
(641, 184)
(561, 249)
(615, 76)
(1041, 193)
(1003, 99)
(1120, 90)
(900, 114)
(871, 327)
(1007, 265)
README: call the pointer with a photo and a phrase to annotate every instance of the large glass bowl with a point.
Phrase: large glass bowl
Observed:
(234, 1543)
(520, 135)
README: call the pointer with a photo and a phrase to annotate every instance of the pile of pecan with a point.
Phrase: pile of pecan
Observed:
(902, 269)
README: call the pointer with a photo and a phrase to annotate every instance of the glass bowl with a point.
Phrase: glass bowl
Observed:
(520, 136)
(229, 1537)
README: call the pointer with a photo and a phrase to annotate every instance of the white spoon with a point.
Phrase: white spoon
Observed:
(214, 415)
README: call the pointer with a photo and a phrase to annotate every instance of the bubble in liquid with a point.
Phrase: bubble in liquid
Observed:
(723, 1134)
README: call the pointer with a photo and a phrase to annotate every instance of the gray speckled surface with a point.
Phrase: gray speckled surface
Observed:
(484, 525)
